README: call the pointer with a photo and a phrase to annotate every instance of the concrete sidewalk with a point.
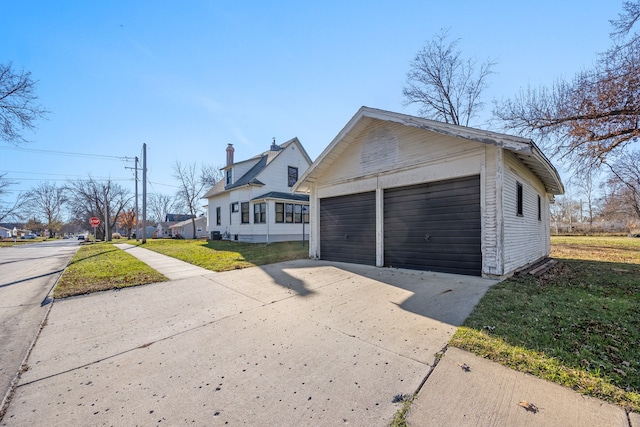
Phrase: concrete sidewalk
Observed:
(304, 343)
(173, 268)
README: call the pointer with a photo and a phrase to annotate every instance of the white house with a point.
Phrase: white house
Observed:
(254, 202)
(184, 229)
(401, 191)
(5, 233)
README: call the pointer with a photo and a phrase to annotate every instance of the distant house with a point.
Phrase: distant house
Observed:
(184, 229)
(393, 190)
(5, 233)
(164, 230)
(254, 202)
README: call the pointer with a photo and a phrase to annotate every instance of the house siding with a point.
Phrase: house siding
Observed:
(526, 239)
(275, 179)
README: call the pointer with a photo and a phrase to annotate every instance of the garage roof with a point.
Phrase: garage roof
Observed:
(523, 148)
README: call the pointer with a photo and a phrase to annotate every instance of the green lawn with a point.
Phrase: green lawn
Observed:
(224, 255)
(102, 266)
(577, 325)
(10, 242)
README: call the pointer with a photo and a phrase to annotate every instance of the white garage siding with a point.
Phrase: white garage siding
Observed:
(375, 161)
(490, 205)
(380, 151)
(525, 237)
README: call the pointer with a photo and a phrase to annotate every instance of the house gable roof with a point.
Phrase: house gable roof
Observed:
(251, 177)
(524, 149)
(188, 222)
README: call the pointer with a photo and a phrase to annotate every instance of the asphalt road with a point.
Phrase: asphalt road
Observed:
(28, 273)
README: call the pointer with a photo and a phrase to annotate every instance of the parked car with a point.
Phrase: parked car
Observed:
(81, 237)
(28, 236)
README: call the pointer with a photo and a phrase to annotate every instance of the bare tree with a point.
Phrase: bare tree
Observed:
(592, 117)
(585, 180)
(160, 205)
(48, 200)
(18, 104)
(104, 199)
(447, 86)
(210, 175)
(625, 22)
(626, 171)
(192, 187)
(10, 210)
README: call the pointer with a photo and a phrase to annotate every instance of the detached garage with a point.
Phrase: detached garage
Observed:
(394, 190)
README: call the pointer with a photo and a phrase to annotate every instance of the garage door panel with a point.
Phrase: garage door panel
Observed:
(434, 226)
(348, 228)
(465, 265)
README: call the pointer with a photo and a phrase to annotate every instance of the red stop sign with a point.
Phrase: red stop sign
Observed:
(94, 221)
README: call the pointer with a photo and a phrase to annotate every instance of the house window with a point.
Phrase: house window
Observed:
(229, 175)
(279, 212)
(297, 214)
(288, 212)
(539, 209)
(292, 175)
(235, 207)
(292, 213)
(259, 213)
(519, 198)
(218, 216)
(244, 209)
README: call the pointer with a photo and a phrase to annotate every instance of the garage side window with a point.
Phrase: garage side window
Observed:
(539, 209)
(519, 198)
(244, 211)
(218, 216)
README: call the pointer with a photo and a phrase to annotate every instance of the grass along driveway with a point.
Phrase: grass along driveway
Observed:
(102, 266)
(576, 325)
(223, 255)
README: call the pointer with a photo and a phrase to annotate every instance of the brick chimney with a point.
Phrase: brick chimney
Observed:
(230, 151)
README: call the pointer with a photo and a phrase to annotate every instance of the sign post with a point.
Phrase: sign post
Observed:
(95, 222)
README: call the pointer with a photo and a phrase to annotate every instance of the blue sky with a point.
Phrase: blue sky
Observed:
(189, 77)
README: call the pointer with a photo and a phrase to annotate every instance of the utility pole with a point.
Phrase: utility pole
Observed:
(144, 193)
(106, 216)
(137, 217)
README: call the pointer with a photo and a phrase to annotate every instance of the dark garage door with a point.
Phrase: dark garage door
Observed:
(348, 228)
(434, 226)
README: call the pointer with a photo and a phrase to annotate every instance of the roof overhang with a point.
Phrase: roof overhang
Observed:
(524, 149)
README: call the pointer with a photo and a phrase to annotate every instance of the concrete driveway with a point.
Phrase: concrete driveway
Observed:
(297, 343)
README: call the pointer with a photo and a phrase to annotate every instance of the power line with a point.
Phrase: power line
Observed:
(65, 153)
(55, 174)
